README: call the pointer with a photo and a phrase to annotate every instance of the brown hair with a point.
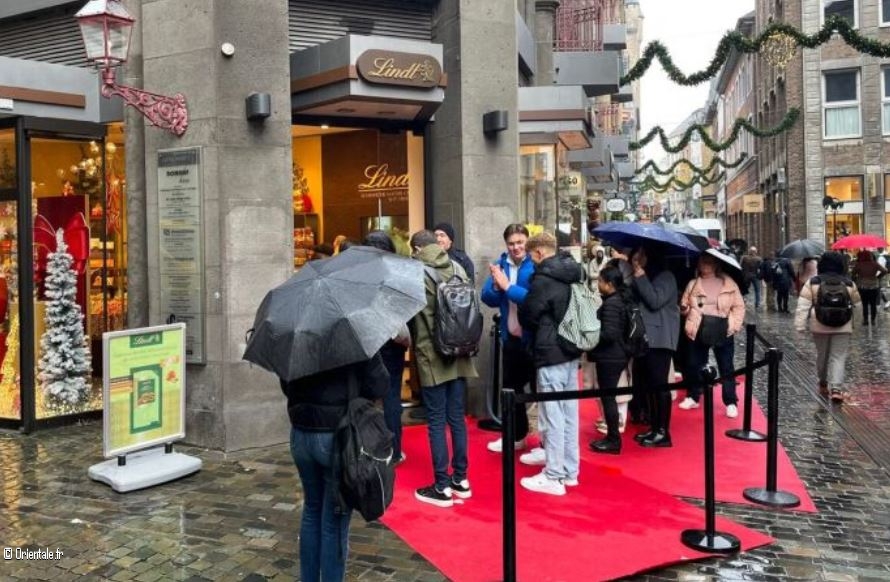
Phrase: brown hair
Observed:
(515, 228)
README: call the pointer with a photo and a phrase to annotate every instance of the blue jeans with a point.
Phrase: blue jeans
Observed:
(394, 360)
(724, 354)
(324, 532)
(558, 422)
(756, 283)
(445, 403)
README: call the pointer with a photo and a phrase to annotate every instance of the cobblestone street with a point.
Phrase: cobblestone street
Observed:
(237, 519)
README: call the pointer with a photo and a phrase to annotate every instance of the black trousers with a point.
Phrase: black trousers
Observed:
(869, 304)
(782, 299)
(518, 372)
(650, 372)
(607, 375)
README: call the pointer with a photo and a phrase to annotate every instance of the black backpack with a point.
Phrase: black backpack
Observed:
(457, 326)
(636, 342)
(364, 467)
(833, 306)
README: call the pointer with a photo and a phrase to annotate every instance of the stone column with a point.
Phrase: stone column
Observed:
(137, 252)
(246, 177)
(475, 178)
(545, 32)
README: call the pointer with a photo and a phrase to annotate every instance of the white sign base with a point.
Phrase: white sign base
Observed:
(144, 469)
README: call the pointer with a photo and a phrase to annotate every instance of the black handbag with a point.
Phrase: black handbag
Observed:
(712, 331)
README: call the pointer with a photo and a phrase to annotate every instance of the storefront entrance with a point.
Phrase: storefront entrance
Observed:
(69, 176)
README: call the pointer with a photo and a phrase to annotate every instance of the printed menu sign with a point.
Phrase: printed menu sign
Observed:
(144, 387)
(181, 245)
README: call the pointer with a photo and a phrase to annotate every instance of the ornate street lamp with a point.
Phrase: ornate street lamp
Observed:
(106, 26)
(832, 203)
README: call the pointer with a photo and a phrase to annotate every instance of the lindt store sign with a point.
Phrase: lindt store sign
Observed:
(395, 68)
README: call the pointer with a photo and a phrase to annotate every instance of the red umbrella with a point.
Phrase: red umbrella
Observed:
(860, 241)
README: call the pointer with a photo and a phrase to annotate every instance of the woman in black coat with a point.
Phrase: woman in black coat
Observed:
(610, 355)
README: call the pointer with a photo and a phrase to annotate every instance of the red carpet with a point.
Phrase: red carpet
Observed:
(608, 527)
(679, 470)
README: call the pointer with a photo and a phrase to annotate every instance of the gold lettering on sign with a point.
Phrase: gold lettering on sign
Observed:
(386, 68)
(379, 178)
(394, 68)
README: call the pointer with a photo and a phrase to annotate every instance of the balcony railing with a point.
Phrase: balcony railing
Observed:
(579, 24)
(614, 119)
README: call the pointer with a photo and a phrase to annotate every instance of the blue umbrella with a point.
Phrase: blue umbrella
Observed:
(634, 234)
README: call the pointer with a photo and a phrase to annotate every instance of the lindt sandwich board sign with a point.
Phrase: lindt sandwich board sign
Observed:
(144, 387)
(143, 373)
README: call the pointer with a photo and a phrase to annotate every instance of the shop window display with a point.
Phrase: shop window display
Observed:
(537, 183)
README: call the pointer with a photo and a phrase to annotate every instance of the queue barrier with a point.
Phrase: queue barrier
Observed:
(708, 539)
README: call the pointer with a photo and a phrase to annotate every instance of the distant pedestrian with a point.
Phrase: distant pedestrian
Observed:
(714, 311)
(506, 288)
(808, 270)
(867, 274)
(443, 384)
(596, 260)
(832, 340)
(783, 277)
(315, 406)
(445, 238)
(556, 364)
(751, 274)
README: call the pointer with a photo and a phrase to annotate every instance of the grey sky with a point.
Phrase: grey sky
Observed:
(690, 29)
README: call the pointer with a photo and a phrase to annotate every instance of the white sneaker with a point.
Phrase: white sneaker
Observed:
(540, 483)
(732, 411)
(535, 457)
(497, 446)
(688, 404)
(570, 482)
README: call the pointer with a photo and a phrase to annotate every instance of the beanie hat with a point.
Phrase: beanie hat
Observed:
(446, 228)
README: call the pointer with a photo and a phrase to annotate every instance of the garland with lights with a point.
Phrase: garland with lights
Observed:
(739, 124)
(714, 163)
(776, 33)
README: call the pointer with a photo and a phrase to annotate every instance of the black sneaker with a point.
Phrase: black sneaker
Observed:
(461, 489)
(435, 497)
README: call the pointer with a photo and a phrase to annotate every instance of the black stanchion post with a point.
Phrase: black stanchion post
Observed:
(745, 433)
(493, 423)
(508, 455)
(769, 495)
(708, 539)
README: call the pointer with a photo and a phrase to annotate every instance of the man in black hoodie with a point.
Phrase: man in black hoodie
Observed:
(556, 363)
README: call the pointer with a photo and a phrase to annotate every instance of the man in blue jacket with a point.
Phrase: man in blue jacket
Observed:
(505, 288)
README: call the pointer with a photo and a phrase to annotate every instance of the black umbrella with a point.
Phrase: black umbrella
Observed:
(801, 249)
(738, 246)
(335, 312)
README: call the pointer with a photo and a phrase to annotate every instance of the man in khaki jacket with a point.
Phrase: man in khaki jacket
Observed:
(442, 383)
(832, 342)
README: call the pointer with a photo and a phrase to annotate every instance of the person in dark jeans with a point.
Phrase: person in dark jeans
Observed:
(867, 273)
(610, 355)
(442, 384)
(655, 289)
(506, 288)
(783, 276)
(315, 406)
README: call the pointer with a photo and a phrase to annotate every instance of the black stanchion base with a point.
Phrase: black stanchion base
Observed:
(489, 424)
(719, 542)
(745, 435)
(771, 498)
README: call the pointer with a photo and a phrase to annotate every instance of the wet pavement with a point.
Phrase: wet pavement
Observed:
(237, 519)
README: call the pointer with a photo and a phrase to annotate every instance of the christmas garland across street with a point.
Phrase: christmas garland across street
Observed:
(651, 165)
(739, 124)
(738, 41)
(677, 184)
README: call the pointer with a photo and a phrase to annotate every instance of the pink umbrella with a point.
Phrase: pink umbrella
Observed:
(860, 241)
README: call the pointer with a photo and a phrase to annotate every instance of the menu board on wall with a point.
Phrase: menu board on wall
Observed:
(181, 245)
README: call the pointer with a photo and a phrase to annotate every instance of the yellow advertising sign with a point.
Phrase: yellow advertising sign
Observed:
(144, 387)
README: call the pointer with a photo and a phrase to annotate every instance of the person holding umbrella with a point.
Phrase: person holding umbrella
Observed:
(867, 273)
(320, 332)
(442, 383)
(714, 310)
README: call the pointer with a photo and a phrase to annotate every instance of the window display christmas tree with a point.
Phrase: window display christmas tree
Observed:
(64, 366)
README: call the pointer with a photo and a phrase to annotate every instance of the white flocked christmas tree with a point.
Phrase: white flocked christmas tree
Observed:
(64, 366)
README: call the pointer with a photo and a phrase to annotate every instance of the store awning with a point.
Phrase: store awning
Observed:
(367, 78)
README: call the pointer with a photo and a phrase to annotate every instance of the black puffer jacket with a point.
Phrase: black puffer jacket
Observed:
(318, 402)
(613, 324)
(545, 305)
